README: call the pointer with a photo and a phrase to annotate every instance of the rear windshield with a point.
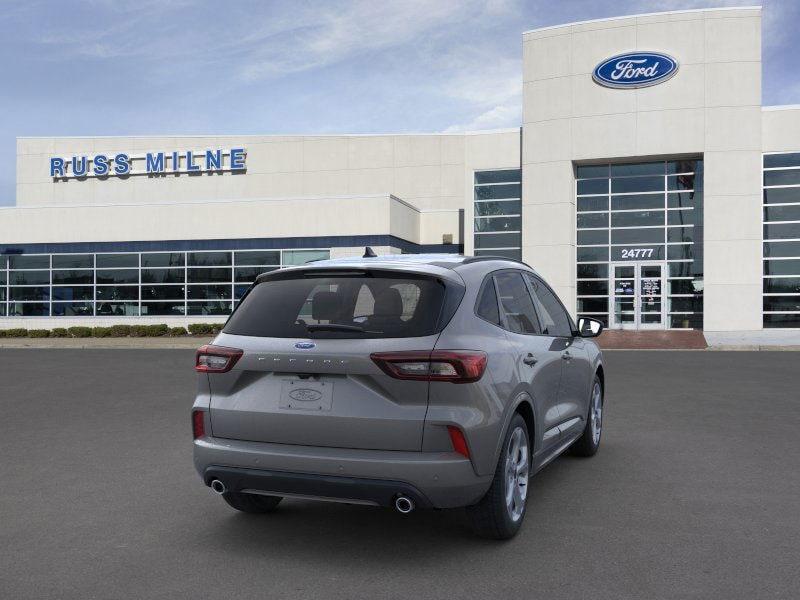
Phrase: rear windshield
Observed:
(341, 306)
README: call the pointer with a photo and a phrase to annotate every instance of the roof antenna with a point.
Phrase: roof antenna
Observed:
(369, 253)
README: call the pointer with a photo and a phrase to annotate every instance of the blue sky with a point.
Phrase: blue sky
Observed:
(104, 67)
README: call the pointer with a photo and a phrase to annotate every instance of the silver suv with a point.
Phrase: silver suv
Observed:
(430, 381)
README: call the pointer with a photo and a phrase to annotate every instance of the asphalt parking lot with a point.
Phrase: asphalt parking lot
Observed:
(695, 493)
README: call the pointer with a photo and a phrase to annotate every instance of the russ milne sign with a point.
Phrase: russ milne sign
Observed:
(635, 70)
(122, 164)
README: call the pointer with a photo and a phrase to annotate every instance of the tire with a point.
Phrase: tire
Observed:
(251, 503)
(494, 516)
(589, 442)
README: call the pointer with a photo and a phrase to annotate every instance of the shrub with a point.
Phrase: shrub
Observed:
(101, 332)
(138, 330)
(217, 327)
(59, 332)
(80, 332)
(16, 332)
(38, 333)
(157, 330)
(2, 333)
(177, 331)
(200, 328)
(120, 330)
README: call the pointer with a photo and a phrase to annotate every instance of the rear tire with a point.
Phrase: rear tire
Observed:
(251, 503)
(500, 512)
(589, 442)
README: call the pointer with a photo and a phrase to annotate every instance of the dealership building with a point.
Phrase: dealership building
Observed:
(646, 183)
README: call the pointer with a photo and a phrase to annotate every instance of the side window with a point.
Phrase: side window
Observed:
(487, 303)
(555, 320)
(516, 306)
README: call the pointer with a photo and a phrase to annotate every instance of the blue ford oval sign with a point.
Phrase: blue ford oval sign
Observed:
(305, 345)
(635, 70)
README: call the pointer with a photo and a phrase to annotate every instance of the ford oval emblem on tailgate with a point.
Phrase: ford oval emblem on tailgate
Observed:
(305, 345)
(305, 395)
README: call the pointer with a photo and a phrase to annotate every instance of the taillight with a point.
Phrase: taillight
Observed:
(216, 359)
(198, 423)
(456, 366)
(458, 440)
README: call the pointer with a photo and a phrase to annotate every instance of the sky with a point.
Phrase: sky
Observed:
(170, 67)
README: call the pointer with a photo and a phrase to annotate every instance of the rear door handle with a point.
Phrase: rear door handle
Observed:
(530, 360)
(566, 355)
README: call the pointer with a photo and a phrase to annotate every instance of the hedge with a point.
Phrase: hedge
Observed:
(162, 329)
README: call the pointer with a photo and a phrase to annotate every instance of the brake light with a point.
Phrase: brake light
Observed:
(455, 366)
(458, 440)
(198, 423)
(216, 359)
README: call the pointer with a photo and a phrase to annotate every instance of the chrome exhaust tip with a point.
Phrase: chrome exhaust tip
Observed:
(218, 487)
(403, 504)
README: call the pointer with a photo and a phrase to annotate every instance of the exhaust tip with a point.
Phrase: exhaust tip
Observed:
(403, 504)
(218, 487)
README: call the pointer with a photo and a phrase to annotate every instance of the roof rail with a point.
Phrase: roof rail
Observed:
(472, 259)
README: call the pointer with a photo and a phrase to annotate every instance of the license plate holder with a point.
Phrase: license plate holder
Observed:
(302, 394)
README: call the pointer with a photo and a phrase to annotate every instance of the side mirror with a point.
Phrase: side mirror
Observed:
(589, 328)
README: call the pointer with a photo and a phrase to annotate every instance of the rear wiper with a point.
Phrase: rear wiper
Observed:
(311, 327)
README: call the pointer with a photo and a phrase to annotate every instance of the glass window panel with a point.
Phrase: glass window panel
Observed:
(684, 199)
(73, 261)
(2, 294)
(586, 171)
(28, 261)
(486, 307)
(782, 285)
(791, 159)
(209, 292)
(249, 274)
(684, 166)
(117, 309)
(624, 272)
(680, 182)
(29, 293)
(602, 318)
(782, 249)
(162, 292)
(498, 224)
(73, 309)
(209, 308)
(593, 304)
(209, 259)
(162, 308)
(679, 252)
(637, 184)
(589, 254)
(71, 292)
(680, 234)
(592, 271)
(593, 186)
(782, 231)
(782, 267)
(782, 195)
(497, 240)
(163, 276)
(694, 321)
(788, 177)
(516, 305)
(505, 207)
(513, 254)
(28, 309)
(684, 286)
(647, 168)
(593, 288)
(598, 203)
(775, 321)
(2, 277)
(29, 277)
(117, 292)
(300, 257)
(681, 269)
(118, 276)
(3, 262)
(637, 219)
(114, 261)
(694, 304)
(681, 217)
(637, 236)
(239, 290)
(3, 309)
(637, 202)
(554, 319)
(257, 257)
(782, 303)
(498, 176)
(592, 236)
(494, 192)
(782, 213)
(163, 259)
(593, 220)
(209, 275)
(73, 277)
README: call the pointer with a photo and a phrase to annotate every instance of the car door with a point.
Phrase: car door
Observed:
(537, 364)
(576, 374)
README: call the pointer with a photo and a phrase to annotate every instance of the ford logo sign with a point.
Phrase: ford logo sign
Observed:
(635, 70)
(305, 345)
(305, 395)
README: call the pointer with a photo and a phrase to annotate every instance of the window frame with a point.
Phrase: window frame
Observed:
(573, 327)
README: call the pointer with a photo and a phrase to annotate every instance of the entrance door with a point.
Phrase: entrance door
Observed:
(637, 295)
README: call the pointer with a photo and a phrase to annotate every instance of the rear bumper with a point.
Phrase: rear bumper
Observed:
(432, 479)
